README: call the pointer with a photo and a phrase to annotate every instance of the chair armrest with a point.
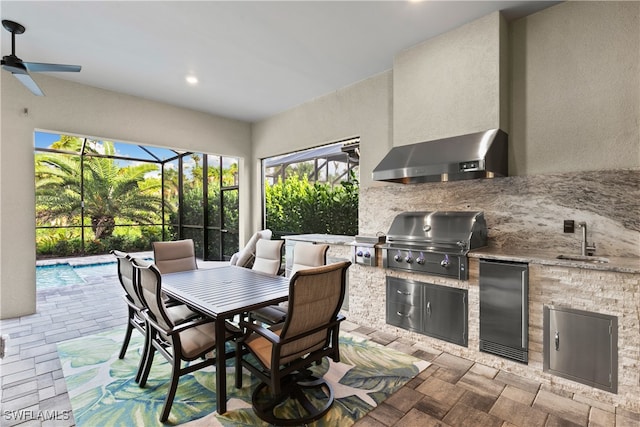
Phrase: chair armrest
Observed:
(130, 303)
(331, 326)
(260, 330)
(177, 328)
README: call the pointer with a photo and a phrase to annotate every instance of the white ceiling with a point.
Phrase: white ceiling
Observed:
(253, 59)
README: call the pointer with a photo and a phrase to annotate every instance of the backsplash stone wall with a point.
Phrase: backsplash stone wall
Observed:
(526, 212)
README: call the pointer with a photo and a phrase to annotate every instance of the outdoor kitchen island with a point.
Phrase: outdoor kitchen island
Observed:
(609, 289)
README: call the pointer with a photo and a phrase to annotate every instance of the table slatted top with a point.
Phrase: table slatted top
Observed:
(226, 291)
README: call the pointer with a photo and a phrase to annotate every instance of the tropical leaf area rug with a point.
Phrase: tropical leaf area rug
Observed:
(103, 391)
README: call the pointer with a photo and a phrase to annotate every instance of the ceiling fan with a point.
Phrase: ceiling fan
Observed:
(21, 69)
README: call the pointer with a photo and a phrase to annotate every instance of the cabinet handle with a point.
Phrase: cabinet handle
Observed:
(525, 308)
(429, 308)
(557, 339)
(402, 314)
(403, 293)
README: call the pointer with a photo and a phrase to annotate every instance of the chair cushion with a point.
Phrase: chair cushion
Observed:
(180, 313)
(306, 255)
(246, 255)
(261, 347)
(197, 340)
(268, 256)
(234, 259)
(271, 314)
(174, 256)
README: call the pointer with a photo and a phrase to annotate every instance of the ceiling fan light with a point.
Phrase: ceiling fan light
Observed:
(192, 80)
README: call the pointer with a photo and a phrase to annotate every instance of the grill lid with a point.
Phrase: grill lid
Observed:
(456, 231)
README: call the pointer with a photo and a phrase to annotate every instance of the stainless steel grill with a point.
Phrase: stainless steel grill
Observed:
(434, 242)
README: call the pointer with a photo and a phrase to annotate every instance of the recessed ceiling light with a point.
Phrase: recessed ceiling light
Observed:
(192, 80)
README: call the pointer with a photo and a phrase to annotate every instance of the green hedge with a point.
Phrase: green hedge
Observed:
(297, 206)
(65, 243)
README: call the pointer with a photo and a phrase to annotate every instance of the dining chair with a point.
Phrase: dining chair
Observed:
(135, 306)
(135, 319)
(177, 342)
(305, 255)
(283, 353)
(268, 256)
(174, 256)
(246, 256)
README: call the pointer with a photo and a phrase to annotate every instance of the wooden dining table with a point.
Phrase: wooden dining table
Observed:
(222, 293)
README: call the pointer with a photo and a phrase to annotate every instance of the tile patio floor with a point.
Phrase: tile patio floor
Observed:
(451, 392)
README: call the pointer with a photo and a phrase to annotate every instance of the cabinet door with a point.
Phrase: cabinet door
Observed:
(581, 346)
(504, 304)
(445, 313)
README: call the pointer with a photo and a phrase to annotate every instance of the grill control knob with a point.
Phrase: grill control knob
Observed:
(397, 257)
(420, 260)
(359, 253)
(367, 254)
(409, 258)
(445, 262)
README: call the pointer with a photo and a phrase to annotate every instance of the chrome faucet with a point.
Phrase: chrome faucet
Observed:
(586, 248)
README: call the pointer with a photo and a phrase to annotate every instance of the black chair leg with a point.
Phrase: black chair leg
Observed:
(127, 335)
(148, 361)
(173, 387)
(145, 355)
(238, 365)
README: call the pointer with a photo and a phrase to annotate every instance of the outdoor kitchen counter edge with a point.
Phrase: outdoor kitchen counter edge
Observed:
(616, 264)
(330, 239)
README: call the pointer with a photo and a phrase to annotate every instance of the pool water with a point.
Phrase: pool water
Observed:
(52, 276)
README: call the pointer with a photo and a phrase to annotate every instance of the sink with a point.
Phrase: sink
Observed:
(584, 258)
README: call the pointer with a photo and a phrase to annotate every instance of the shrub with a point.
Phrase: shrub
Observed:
(297, 206)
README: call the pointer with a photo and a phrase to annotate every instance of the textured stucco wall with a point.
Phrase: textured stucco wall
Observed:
(83, 110)
(362, 109)
(576, 88)
(451, 84)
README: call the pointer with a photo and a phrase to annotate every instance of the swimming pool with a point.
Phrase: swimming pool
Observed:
(56, 275)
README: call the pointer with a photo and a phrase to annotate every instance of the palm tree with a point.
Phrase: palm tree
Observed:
(110, 191)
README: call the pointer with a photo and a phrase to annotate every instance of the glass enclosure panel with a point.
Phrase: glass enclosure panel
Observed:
(229, 172)
(198, 239)
(58, 142)
(230, 210)
(171, 232)
(192, 205)
(301, 170)
(230, 224)
(58, 242)
(171, 199)
(230, 244)
(58, 191)
(94, 195)
(215, 245)
(213, 191)
(321, 171)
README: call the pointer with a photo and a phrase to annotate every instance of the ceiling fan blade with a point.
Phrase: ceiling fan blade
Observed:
(37, 67)
(26, 80)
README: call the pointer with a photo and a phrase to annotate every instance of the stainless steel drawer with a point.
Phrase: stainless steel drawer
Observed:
(404, 315)
(404, 292)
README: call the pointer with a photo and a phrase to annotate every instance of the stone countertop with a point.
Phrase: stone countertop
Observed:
(331, 239)
(616, 264)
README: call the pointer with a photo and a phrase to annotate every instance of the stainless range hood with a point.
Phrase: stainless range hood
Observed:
(475, 155)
